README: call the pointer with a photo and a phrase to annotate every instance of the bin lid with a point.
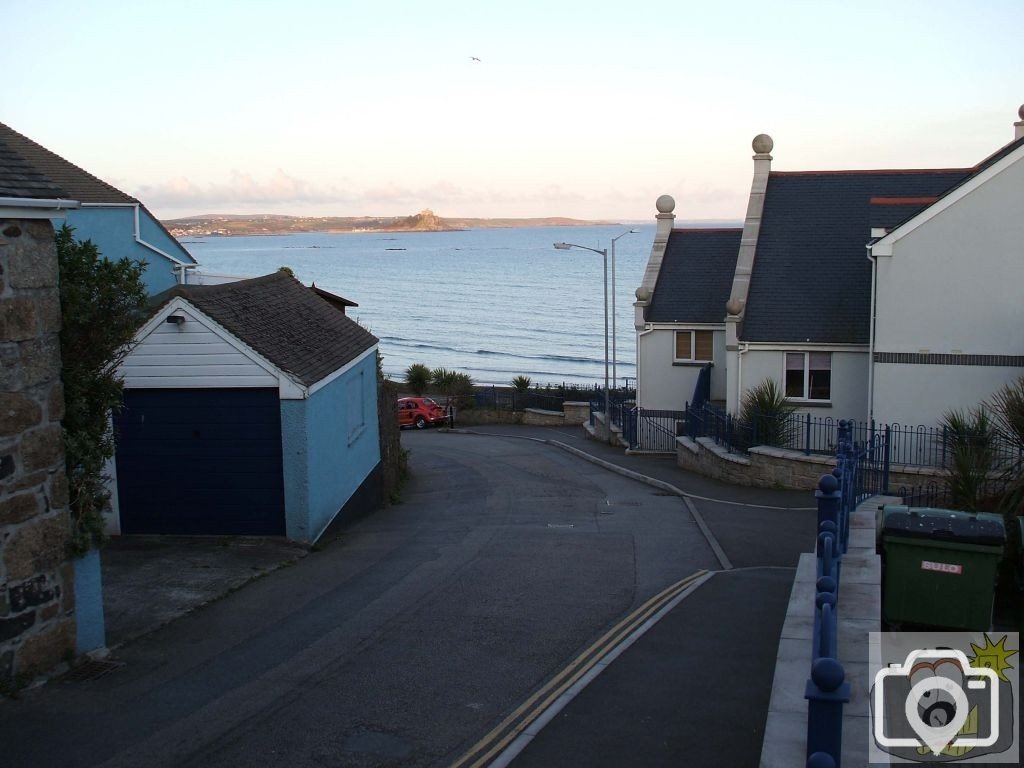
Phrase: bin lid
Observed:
(943, 524)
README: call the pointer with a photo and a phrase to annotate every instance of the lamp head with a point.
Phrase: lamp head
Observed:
(563, 246)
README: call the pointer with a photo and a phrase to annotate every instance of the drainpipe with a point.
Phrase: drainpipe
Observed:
(741, 350)
(871, 336)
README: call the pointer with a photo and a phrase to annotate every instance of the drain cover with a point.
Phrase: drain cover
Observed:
(90, 670)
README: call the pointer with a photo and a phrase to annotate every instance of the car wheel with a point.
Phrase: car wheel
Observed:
(420, 422)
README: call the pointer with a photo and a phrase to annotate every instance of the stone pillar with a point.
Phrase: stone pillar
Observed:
(37, 625)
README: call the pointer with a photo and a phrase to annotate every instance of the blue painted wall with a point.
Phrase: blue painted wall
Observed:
(90, 630)
(113, 232)
(331, 444)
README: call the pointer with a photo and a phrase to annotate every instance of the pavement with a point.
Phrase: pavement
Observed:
(445, 631)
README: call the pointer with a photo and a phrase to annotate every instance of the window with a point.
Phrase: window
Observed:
(695, 346)
(809, 375)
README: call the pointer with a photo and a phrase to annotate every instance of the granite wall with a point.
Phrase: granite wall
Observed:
(37, 625)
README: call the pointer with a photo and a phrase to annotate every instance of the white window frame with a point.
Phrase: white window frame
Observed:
(807, 376)
(693, 345)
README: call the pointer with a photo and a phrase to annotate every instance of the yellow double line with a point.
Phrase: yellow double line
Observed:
(508, 729)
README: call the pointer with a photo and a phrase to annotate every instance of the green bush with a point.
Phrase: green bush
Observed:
(522, 384)
(102, 304)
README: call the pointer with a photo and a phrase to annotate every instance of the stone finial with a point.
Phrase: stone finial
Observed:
(1020, 112)
(762, 144)
(665, 204)
(643, 294)
(1018, 127)
(734, 306)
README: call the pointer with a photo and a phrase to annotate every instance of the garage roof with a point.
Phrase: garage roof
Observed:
(281, 319)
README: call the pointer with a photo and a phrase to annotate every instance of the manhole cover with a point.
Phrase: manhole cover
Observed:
(90, 670)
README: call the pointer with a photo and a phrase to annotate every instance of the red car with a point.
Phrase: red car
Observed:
(418, 412)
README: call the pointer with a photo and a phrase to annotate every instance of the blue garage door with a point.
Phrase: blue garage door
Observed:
(200, 461)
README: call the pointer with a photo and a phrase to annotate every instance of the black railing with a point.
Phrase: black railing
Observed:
(903, 445)
(654, 430)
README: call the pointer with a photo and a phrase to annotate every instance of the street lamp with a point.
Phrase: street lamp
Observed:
(615, 356)
(607, 396)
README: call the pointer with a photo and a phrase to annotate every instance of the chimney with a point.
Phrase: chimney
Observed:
(1018, 127)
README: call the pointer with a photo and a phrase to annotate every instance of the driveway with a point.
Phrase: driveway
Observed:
(402, 641)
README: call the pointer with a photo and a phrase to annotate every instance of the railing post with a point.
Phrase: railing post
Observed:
(807, 435)
(885, 465)
(826, 692)
(828, 497)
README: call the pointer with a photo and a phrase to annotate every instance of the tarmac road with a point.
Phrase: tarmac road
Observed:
(405, 639)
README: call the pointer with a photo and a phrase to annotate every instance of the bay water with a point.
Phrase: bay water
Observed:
(493, 303)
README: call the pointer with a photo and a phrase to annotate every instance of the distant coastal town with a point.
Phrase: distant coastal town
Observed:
(211, 225)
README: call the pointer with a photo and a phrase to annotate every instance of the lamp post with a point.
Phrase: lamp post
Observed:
(607, 396)
(615, 355)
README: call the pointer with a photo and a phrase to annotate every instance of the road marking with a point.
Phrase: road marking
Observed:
(574, 677)
(709, 537)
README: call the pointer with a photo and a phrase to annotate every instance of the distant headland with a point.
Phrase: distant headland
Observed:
(425, 221)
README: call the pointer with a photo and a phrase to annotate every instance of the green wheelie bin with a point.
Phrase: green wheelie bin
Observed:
(941, 566)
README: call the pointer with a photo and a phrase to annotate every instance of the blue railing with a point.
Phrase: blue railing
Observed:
(856, 477)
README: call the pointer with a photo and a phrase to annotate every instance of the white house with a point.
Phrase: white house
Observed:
(949, 296)
(884, 293)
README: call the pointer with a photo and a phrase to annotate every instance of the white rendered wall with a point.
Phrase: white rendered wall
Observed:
(849, 381)
(188, 356)
(921, 394)
(665, 386)
(954, 285)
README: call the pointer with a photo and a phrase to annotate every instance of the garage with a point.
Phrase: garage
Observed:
(214, 455)
(250, 408)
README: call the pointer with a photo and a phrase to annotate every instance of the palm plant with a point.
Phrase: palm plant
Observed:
(456, 387)
(766, 413)
(417, 378)
(1007, 407)
(971, 439)
(521, 384)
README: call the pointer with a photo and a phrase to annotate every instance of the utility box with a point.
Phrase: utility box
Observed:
(941, 566)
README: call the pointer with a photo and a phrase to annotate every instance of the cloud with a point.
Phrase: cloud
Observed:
(241, 188)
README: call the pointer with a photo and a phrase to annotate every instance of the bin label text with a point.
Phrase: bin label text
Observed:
(928, 565)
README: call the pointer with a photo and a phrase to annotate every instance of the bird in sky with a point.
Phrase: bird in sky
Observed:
(473, 58)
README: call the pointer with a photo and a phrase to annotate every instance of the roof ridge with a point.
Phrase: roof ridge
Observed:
(874, 171)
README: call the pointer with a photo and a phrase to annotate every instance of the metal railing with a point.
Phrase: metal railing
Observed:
(855, 477)
(914, 446)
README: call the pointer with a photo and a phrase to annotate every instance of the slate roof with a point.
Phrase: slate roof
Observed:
(811, 280)
(19, 179)
(66, 178)
(283, 320)
(695, 276)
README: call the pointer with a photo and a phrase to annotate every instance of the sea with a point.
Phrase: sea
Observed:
(493, 303)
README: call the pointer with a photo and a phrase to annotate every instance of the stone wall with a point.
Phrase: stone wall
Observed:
(37, 626)
(766, 467)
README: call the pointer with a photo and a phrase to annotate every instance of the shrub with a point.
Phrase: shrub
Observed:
(456, 387)
(766, 415)
(101, 302)
(522, 384)
(971, 450)
(417, 378)
(1007, 408)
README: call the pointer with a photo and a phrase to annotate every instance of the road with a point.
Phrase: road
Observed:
(401, 642)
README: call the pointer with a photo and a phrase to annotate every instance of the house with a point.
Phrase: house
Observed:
(118, 224)
(962, 254)
(250, 408)
(826, 290)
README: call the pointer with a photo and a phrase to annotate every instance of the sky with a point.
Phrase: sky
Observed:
(583, 109)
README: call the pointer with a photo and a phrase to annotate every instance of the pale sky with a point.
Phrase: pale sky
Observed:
(583, 109)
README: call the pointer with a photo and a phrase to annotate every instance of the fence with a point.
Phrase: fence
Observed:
(918, 446)
(853, 480)
(548, 399)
